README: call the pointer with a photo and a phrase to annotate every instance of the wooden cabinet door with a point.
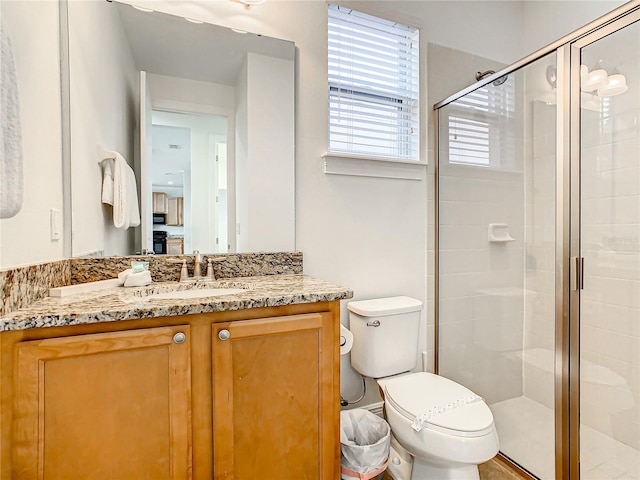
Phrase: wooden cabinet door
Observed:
(181, 211)
(275, 404)
(175, 211)
(159, 202)
(109, 406)
(175, 246)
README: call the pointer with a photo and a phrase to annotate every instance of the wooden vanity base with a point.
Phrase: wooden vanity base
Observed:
(171, 398)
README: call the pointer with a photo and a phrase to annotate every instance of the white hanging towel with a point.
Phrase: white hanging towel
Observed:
(107, 181)
(125, 195)
(11, 159)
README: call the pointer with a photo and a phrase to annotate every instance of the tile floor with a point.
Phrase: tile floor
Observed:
(525, 428)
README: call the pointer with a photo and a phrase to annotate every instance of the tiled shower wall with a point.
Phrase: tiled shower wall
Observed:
(481, 282)
(540, 167)
(610, 304)
(449, 71)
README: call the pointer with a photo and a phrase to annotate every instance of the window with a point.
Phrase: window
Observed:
(481, 127)
(373, 86)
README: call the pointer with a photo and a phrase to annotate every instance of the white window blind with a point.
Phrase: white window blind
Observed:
(373, 86)
(482, 128)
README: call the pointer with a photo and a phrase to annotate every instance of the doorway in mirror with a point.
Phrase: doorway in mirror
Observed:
(189, 180)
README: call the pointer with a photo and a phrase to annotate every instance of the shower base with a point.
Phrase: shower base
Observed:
(526, 432)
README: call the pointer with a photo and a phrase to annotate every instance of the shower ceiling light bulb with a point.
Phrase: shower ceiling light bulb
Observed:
(615, 85)
(595, 80)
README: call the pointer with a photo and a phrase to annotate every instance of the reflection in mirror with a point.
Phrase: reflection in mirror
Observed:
(189, 183)
(200, 105)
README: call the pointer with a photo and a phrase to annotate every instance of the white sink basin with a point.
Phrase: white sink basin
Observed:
(195, 293)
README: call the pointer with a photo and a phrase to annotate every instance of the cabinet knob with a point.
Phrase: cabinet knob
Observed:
(179, 338)
(224, 335)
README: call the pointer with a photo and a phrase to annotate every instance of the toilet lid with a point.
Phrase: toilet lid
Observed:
(415, 394)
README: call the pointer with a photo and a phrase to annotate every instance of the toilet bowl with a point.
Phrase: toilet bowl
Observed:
(446, 429)
(452, 440)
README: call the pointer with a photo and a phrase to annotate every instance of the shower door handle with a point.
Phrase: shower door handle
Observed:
(577, 276)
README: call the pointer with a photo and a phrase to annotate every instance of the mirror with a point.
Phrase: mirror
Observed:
(205, 117)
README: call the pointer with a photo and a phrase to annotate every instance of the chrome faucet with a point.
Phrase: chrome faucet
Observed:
(197, 268)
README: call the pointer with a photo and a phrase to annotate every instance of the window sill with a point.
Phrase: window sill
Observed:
(371, 166)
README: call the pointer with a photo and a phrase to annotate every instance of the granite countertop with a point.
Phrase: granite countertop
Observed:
(121, 303)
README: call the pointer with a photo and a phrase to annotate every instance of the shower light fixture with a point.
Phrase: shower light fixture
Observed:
(614, 85)
(593, 80)
(599, 83)
(552, 76)
(250, 3)
(193, 20)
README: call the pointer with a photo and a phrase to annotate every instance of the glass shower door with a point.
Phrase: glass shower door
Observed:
(496, 254)
(609, 328)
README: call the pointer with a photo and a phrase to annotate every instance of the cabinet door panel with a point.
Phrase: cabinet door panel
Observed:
(274, 405)
(159, 202)
(104, 406)
(175, 211)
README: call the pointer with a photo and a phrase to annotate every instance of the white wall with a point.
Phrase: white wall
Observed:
(265, 218)
(104, 99)
(181, 94)
(546, 20)
(34, 32)
(242, 158)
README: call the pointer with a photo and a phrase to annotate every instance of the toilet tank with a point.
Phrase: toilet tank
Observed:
(385, 335)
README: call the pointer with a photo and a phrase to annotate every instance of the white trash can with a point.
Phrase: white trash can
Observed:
(365, 440)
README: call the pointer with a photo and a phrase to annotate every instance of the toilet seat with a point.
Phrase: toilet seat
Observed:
(414, 394)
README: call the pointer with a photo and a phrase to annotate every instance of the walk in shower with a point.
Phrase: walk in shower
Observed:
(538, 251)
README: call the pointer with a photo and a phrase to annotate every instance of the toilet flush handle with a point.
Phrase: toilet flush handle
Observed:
(374, 323)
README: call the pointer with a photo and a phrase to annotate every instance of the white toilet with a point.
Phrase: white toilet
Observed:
(445, 427)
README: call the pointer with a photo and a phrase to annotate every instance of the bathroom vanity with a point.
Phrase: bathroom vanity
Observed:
(114, 384)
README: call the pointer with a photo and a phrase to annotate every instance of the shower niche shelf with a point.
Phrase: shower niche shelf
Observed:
(499, 233)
